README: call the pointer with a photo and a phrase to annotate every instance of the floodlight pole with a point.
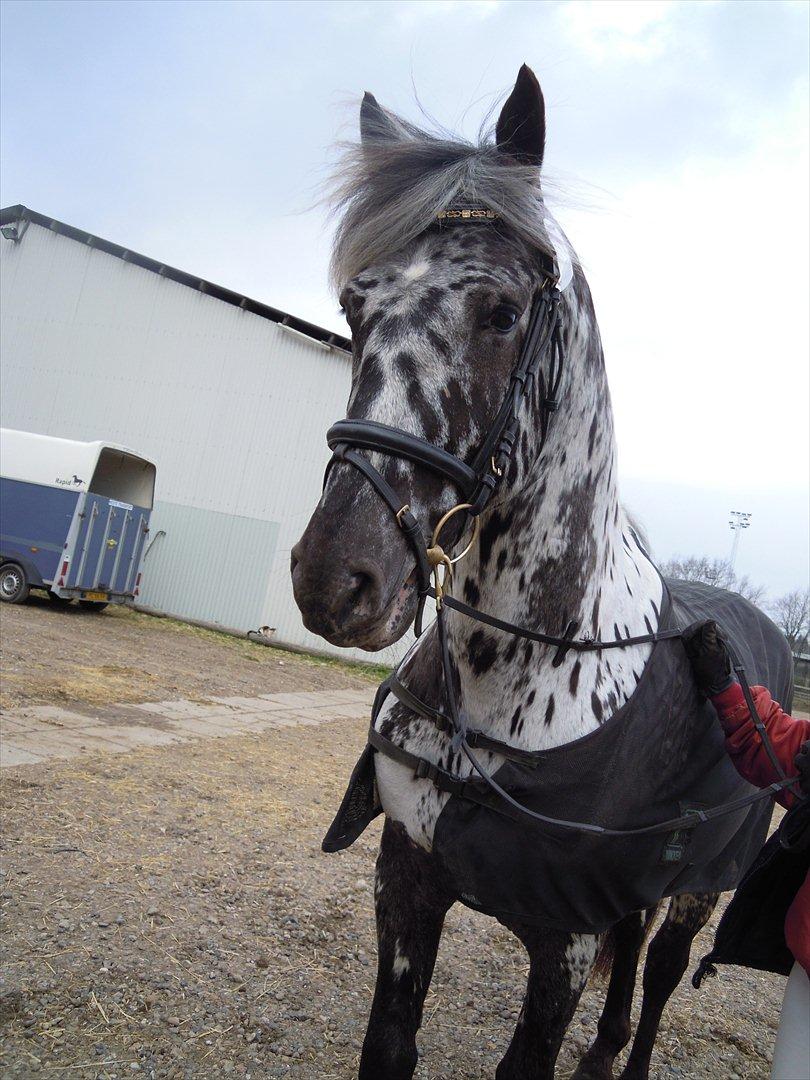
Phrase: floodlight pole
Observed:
(739, 520)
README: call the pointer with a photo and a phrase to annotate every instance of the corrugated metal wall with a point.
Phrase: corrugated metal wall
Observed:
(231, 407)
(219, 584)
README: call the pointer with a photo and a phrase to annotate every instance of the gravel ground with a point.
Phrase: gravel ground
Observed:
(168, 912)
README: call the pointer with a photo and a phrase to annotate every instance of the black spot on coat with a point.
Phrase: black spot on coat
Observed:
(482, 652)
(573, 681)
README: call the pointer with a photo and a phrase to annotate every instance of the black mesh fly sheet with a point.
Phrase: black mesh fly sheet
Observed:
(659, 757)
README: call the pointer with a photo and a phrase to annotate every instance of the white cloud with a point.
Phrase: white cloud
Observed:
(607, 30)
(701, 287)
(411, 13)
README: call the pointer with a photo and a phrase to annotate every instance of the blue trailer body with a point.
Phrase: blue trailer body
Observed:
(34, 526)
(69, 532)
(108, 545)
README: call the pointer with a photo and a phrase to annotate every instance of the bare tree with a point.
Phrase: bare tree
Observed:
(717, 572)
(754, 593)
(791, 614)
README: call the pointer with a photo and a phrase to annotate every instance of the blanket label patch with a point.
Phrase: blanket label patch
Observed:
(675, 846)
(676, 843)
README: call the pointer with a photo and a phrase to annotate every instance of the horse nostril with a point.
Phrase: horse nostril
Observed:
(362, 586)
(365, 587)
(295, 557)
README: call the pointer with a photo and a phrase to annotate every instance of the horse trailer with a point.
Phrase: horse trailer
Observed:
(74, 519)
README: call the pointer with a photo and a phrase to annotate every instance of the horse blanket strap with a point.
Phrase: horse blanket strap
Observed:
(477, 791)
(422, 768)
(476, 739)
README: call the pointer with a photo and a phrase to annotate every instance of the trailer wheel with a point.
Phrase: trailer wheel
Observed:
(14, 586)
(91, 605)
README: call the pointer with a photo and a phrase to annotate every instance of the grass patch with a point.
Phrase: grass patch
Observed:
(357, 668)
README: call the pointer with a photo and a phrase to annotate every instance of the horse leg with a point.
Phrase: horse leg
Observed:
(667, 960)
(410, 908)
(559, 965)
(613, 1032)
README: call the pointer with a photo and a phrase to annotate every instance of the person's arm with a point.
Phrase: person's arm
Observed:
(743, 741)
(712, 670)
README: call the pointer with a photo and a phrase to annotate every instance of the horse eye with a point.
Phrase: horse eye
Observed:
(503, 319)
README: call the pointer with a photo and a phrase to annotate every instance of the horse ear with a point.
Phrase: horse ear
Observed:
(521, 128)
(376, 125)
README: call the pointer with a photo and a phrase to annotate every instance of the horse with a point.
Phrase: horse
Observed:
(440, 254)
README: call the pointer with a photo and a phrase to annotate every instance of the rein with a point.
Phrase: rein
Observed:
(476, 482)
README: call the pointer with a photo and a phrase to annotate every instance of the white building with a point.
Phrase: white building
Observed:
(229, 397)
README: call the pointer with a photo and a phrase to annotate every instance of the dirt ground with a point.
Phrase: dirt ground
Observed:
(168, 912)
(55, 656)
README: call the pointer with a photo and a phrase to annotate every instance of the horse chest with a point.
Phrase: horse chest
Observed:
(417, 804)
(660, 753)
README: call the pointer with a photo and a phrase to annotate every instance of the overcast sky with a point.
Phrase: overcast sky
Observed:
(198, 133)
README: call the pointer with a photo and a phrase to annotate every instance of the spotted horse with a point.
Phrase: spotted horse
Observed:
(541, 754)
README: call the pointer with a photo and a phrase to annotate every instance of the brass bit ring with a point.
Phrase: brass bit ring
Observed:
(443, 521)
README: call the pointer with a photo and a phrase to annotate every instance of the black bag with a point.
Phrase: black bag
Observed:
(752, 930)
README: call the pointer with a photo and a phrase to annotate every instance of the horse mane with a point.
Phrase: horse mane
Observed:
(639, 528)
(388, 189)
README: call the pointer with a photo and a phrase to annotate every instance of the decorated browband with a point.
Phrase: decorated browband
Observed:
(467, 213)
(559, 269)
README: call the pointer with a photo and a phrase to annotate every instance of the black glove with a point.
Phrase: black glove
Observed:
(711, 664)
(802, 763)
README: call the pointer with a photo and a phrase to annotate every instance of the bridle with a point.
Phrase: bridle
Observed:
(476, 483)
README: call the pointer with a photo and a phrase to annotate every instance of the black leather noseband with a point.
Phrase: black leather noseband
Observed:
(370, 435)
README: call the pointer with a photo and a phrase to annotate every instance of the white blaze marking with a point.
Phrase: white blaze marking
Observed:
(401, 962)
(580, 955)
(416, 270)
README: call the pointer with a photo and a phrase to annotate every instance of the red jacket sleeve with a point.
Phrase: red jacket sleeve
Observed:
(744, 745)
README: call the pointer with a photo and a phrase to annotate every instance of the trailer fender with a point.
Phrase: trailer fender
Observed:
(31, 572)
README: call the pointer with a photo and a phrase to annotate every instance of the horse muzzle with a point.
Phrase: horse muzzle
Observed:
(352, 593)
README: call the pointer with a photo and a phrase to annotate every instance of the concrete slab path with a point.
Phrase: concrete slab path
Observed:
(40, 733)
(44, 732)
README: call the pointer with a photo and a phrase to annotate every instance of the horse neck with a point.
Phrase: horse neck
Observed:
(556, 548)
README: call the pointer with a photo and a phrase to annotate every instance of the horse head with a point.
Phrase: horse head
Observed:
(438, 308)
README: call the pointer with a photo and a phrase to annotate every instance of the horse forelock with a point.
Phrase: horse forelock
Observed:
(388, 190)
(408, 284)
